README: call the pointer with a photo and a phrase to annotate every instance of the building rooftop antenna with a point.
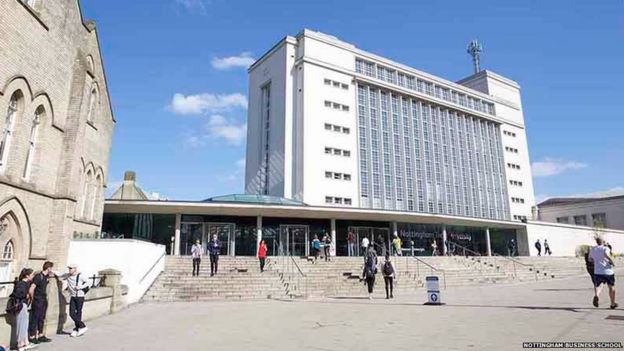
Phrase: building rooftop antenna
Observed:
(475, 49)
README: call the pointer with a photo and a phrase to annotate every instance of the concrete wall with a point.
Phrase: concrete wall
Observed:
(134, 258)
(613, 209)
(564, 239)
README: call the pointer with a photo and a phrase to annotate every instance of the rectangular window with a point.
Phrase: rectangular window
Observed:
(346, 153)
(337, 128)
(346, 177)
(337, 152)
(327, 82)
(336, 105)
(346, 130)
(562, 220)
(328, 126)
(329, 199)
(328, 103)
(338, 200)
(328, 150)
(347, 201)
(336, 84)
(345, 108)
(337, 175)
(328, 174)
(580, 220)
(344, 86)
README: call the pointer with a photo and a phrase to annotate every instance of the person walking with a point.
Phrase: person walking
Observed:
(22, 295)
(214, 248)
(381, 245)
(196, 253)
(511, 248)
(397, 244)
(389, 274)
(538, 247)
(603, 272)
(547, 248)
(365, 244)
(327, 246)
(350, 244)
(39, 304)
(370, 269)
(262, 255)
(434, 248)
(316, 247)
(589, 266)
(76, 286)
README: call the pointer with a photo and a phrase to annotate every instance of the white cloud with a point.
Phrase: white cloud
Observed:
(193, 5)
(230, 131)
(239, 169)
(244, 60)
(206, 103)
(550, 167)
(617, 191)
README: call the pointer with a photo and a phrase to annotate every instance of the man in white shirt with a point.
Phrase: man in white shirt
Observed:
(196, 253)
(603, 271)
(365, 244)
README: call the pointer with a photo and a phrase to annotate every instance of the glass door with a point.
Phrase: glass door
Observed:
(225, 234)
(294, 240)
(189, 233)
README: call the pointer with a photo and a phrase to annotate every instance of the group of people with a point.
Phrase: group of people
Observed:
(599, 263)
(380, 244)
(324, 243)
(197, 252)
(28, 303)
(370, 271)
(538, 247)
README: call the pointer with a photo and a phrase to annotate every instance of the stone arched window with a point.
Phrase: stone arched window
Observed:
(32, 140)
(93, 103)
(9, 126)
(87, 195)
(7, 253)
(97, 195)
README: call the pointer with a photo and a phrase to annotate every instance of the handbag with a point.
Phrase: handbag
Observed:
(14, 306)
(84, 290)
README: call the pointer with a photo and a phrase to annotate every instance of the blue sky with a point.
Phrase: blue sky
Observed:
(178, 84)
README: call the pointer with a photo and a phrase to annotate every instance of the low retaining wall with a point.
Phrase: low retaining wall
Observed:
(139, 262)
(563, 239)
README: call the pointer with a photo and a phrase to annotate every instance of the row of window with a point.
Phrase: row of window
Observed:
(517, 200)
(513, 166)
(511, 134)
(336, 106)
(391, 76)
(511, 149)
(336, 84)
(337, 152)
(335, 128)
(338, 200)
(515, 182)
(598, 220)
(338, 176)
(519, 218)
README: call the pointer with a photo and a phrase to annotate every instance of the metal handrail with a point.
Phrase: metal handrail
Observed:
(152, 267)
(431, 267)
(475, 253)
(514, 261)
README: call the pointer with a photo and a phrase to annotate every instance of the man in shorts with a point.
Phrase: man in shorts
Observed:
(603, 271)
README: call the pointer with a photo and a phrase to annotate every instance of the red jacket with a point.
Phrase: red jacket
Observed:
(262, 251)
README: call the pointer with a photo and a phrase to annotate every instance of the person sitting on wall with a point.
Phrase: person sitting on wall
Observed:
(214, 248)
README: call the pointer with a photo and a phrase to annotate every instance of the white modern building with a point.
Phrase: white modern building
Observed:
(332, 125)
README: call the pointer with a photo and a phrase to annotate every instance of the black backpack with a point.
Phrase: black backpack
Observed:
(84, 290)
(14, 306)
(388, 270)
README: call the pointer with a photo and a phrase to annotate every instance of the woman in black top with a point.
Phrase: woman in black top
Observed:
(22, 294)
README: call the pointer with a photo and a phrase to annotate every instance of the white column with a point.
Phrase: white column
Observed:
(178, 220)
(259, 233)
(444, 253)
(487, 241)
(332, 250)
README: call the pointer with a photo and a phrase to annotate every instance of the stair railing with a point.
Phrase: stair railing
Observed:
(514, 263)
(300, 276)
(431, 268)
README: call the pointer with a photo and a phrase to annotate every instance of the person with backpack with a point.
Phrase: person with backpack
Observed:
(389, 274)
(18, 306)
(262, 255)
(327, 246)
(538, 247)
(196, 254)
(77, 287)
(370, 269)
(214, 248)
(39, 304)
(316, 247)
(547, 248)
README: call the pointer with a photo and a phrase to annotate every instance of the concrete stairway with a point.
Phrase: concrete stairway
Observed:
(238, 278)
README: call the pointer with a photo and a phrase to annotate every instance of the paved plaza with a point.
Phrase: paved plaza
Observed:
(475, 318)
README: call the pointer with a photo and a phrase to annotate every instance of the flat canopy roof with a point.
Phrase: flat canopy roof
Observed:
(296, 211)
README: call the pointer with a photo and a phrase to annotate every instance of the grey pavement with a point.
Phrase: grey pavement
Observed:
(492, 317)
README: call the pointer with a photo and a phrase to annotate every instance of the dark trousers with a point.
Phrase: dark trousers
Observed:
(262, 262)
(370, 282)
(389, 281)
(37, 316)
(326, 253)
(196, 262)
(214, 263)
(539, 251)
(75, 311)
